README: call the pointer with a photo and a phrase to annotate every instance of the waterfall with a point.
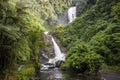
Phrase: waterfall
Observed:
(59, 56)
(71, 13)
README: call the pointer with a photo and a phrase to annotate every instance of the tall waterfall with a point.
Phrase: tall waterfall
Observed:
(71, 13)
(58, 54)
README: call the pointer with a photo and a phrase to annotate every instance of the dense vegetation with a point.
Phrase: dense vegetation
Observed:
(82, 5)
(20, 37)
(49, 10)
(22, 23)
(93, 38)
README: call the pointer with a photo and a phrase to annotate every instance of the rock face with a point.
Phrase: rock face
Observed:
(63, 18)
(48, 50)
(52, 53)
(51, 77)
(109, 74)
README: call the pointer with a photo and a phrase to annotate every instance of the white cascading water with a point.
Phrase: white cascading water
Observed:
(71, 13)
(59, 56)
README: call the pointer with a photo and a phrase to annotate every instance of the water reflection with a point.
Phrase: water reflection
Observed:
(52, 74)
(57, 74)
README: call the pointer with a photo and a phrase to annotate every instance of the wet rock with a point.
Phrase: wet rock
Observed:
(50, 65)
(48, 49)
(34, 79)
(58, 63)
(20, 67)
(49, 45)
(47, 66)
(51, 77)
(109, 75)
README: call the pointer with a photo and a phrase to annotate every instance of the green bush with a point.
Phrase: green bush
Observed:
(96, 32)
(20, 36)
(86, 62)
(81, 59)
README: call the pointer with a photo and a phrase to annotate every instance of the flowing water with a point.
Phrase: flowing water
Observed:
(59, 56)
(71, 13)
(50, 72)
(57, 74)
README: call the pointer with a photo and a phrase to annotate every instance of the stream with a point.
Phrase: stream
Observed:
(49, 71)
(57, 74)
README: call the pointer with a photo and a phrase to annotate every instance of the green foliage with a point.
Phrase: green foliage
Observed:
(116, 8)
(107, 45)
(116, 11)
(60, 6)
(95, 32)
(20, 35)
(81, 59)
(8, 39)
(83, 5)
(27, 72)
(79, 48)
(89, 62)
(50, 9)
